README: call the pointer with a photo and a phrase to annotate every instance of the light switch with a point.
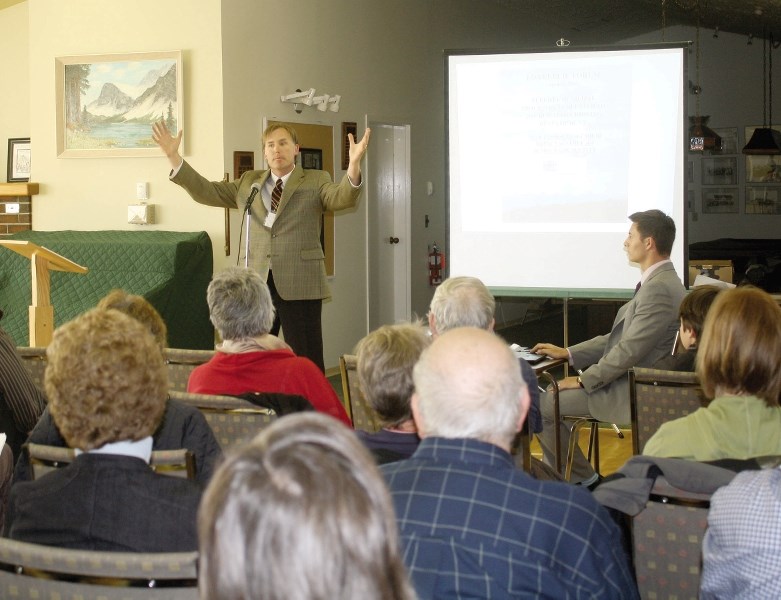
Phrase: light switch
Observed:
(142, 190)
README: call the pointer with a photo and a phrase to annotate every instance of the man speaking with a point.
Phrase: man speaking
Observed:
(285, 227)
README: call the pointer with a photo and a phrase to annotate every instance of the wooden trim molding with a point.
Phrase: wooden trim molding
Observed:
(18, 189)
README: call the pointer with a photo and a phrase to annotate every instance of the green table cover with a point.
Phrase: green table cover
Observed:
(170, 269)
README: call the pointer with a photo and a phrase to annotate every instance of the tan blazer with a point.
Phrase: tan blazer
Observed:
(291, 247)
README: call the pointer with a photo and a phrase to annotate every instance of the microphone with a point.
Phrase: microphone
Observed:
(255, 189)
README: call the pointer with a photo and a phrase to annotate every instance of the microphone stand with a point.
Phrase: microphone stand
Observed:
(247, 221)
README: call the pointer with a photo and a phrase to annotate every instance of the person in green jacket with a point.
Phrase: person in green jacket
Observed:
(738, 368)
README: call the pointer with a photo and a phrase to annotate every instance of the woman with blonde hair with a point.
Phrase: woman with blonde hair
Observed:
(300, 512)
(738, 368)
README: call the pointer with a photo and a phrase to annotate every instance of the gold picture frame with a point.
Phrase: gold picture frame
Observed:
(106, 103)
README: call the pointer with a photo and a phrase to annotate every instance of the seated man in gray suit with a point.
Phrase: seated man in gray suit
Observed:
(643, 332)
(107, 385)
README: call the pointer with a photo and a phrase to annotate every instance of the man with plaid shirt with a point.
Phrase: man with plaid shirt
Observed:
(474, 526)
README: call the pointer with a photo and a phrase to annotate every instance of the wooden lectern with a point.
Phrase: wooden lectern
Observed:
(42, 260)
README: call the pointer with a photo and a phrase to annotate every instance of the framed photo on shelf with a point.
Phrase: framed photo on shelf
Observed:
(18, 159)
(107, 103)
(729, 140)
(720, 200)
(722, 170)
(311, 158)
(763, 200)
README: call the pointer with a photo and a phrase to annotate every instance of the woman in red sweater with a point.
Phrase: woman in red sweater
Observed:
(250, 359)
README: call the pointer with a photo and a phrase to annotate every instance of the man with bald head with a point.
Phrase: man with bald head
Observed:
(466, 302)
(472, 525)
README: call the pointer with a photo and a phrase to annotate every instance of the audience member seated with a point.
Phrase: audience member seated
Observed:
(249, 358)
(642, 333)
(741, 546)
(300, 512)
(474, 526)
(182, 426)
(385, 360)
(21, 404)
(107, 383)
(21, 401)
(738, 369)
(694, 308)
(466, 302)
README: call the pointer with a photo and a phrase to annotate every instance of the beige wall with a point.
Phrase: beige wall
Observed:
(93, 193)
(14, 99)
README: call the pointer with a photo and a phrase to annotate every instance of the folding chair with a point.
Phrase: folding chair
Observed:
(667, 542)
(660, 396)
(181, 363)
(358, 409)
(233, 420)
(175, 463)
(36, 571)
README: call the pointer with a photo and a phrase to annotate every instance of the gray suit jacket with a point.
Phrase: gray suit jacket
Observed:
(642, 333)
(292, 245)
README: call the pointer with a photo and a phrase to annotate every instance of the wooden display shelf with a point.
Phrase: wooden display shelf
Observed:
(18, 189)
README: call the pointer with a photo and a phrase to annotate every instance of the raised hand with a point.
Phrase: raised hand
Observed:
(168, 143)
(357, 150)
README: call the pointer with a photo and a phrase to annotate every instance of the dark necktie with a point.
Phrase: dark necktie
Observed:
(637, 287)
(276, 194)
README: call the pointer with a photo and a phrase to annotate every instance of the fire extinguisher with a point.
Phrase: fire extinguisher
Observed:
(436, 264)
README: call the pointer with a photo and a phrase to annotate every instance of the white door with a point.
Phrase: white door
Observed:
(388, 227)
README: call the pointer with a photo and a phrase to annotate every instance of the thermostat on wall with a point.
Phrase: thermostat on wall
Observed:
(141, 214)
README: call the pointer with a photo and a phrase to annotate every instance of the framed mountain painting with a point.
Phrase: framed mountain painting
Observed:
(106, 103)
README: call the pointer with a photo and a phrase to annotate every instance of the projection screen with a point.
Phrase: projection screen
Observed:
(548, 154)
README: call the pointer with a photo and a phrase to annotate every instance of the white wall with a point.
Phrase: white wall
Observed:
(14, 100)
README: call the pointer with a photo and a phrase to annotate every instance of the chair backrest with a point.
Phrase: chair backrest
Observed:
(358, 409)
(181, 363)
(657, 397)
(667, 542)
(35, 571)
(174, 463)
(34, 360)
(233, 420)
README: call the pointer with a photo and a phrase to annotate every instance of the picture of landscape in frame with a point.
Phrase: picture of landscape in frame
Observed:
(106, 104)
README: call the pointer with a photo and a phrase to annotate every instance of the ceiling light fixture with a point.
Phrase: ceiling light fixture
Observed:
(701, 137)
(765, 139)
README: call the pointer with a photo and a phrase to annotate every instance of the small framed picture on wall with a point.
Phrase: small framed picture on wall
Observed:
(720, 200)
(762, 200)
(721, 170)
